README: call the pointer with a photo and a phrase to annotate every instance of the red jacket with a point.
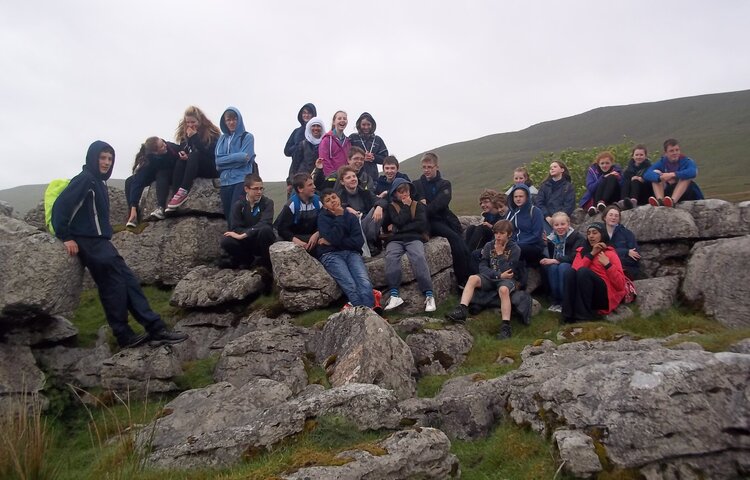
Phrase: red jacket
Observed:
(613, 276)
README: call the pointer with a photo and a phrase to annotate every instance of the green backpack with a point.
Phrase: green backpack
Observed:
(54, 189)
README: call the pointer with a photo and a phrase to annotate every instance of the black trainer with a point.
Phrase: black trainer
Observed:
(458, 315)
(165, 337)
(133, 340)
(505, 331)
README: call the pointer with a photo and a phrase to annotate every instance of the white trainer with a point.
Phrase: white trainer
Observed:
(429, 304)
(394, 302)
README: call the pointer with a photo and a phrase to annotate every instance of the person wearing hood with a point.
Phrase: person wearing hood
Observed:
(334, 148)
(436, 193)
(235, 159)
(405, 220)
(80, 218)
(373, 145)
(596, 283)
(197, 137)
(562, 244)
(304, 161)
(528, 224)
(293, 146)
(499, 271)
(556, 194)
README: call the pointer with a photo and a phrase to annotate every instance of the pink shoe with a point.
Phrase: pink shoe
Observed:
(179, 198)
(668, 202)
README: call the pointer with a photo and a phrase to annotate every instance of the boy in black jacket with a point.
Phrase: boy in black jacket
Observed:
(436, 193)
(298, 220)
(252, 227)
(80, 218)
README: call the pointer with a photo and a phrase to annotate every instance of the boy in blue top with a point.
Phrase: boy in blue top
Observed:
(235, 159)
(80, 218)
(340, 250)
(673, 177)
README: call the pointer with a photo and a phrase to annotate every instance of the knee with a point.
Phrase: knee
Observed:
(504, 291)
(474, 281)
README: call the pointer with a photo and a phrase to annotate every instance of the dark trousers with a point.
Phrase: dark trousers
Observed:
(639, 191)
(608, 190)
(477, 236)
(459, 252)
(687, 196)
(196, 165)
(229, 195)
(531, 254)
(243, 252)
(119, 289)
(147, 174)
(583, 294)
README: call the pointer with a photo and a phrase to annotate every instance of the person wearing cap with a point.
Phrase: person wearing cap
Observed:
(596, 283)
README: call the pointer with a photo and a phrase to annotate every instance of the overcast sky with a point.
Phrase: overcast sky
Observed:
(431, 72)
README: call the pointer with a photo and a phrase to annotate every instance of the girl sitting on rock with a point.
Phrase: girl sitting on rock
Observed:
(556, 194)
(602, 184)
(153, 162)
(623, 241)
(596, 283)
(562, 244)
(197, 137)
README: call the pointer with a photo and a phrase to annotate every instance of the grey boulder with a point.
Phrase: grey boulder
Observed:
(206, 286)
(441, 351)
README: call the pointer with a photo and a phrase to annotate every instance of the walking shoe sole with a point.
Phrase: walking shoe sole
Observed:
(158, 343)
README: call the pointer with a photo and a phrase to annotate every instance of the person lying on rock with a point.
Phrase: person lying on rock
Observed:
(248, 241)
(596, 283)
(340, 250)
(436, 193)
(673, 177)
(298, 220)
(499, 270)
(405, 220)
(80, 217)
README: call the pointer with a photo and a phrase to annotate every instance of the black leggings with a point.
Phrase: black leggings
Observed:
(638, 190)
(608, 190)
(583, 294)
(477, 236)
(196, 165)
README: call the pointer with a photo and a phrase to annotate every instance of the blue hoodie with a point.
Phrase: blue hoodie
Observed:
(82, 209)
(527, 220)
(235, 152)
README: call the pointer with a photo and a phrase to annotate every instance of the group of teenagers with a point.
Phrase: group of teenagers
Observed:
(342, 209)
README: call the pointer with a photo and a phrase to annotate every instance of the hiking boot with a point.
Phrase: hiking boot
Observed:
(394, 302)
(132, 340)
(459, 314)
(157, 214)
(179, 198)
(601, 206)
(668, 202)
(429, 304)
(592, 211)
(165, 337)
(505, 331)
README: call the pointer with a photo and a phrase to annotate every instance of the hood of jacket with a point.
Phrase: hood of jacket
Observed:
(308, 130)
(313, 111)
(367, 116)
(553, 237)
(512, 205)
(92, 159)
(240, 123)
(398, 182)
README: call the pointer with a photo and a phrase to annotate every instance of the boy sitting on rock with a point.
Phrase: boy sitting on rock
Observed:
(390, 172)
(252, 227)
(673, 177)
(298, 220)
(80, 218)
(406, 220)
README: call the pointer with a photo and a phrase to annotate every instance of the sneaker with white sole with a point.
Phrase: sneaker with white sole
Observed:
(394, 302)
(555, 308)
(429, 304)
(179, 198)
(157, 214)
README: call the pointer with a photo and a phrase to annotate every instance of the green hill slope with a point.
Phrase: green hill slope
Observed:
(712, 129)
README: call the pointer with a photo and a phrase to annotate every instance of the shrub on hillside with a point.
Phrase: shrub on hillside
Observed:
(578, 162)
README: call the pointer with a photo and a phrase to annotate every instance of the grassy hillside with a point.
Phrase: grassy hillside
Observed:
(713, 129)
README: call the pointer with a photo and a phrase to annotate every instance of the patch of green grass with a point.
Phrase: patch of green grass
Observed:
(316, 374)
(197, 373)
(313, 317)
(510, 452)
(89, 316)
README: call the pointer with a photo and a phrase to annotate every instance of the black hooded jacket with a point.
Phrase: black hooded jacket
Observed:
(298, 134)
(370, 143)
(82, 209)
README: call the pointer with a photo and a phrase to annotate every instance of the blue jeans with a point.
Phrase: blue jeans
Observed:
(349, 271)
(556, 276)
